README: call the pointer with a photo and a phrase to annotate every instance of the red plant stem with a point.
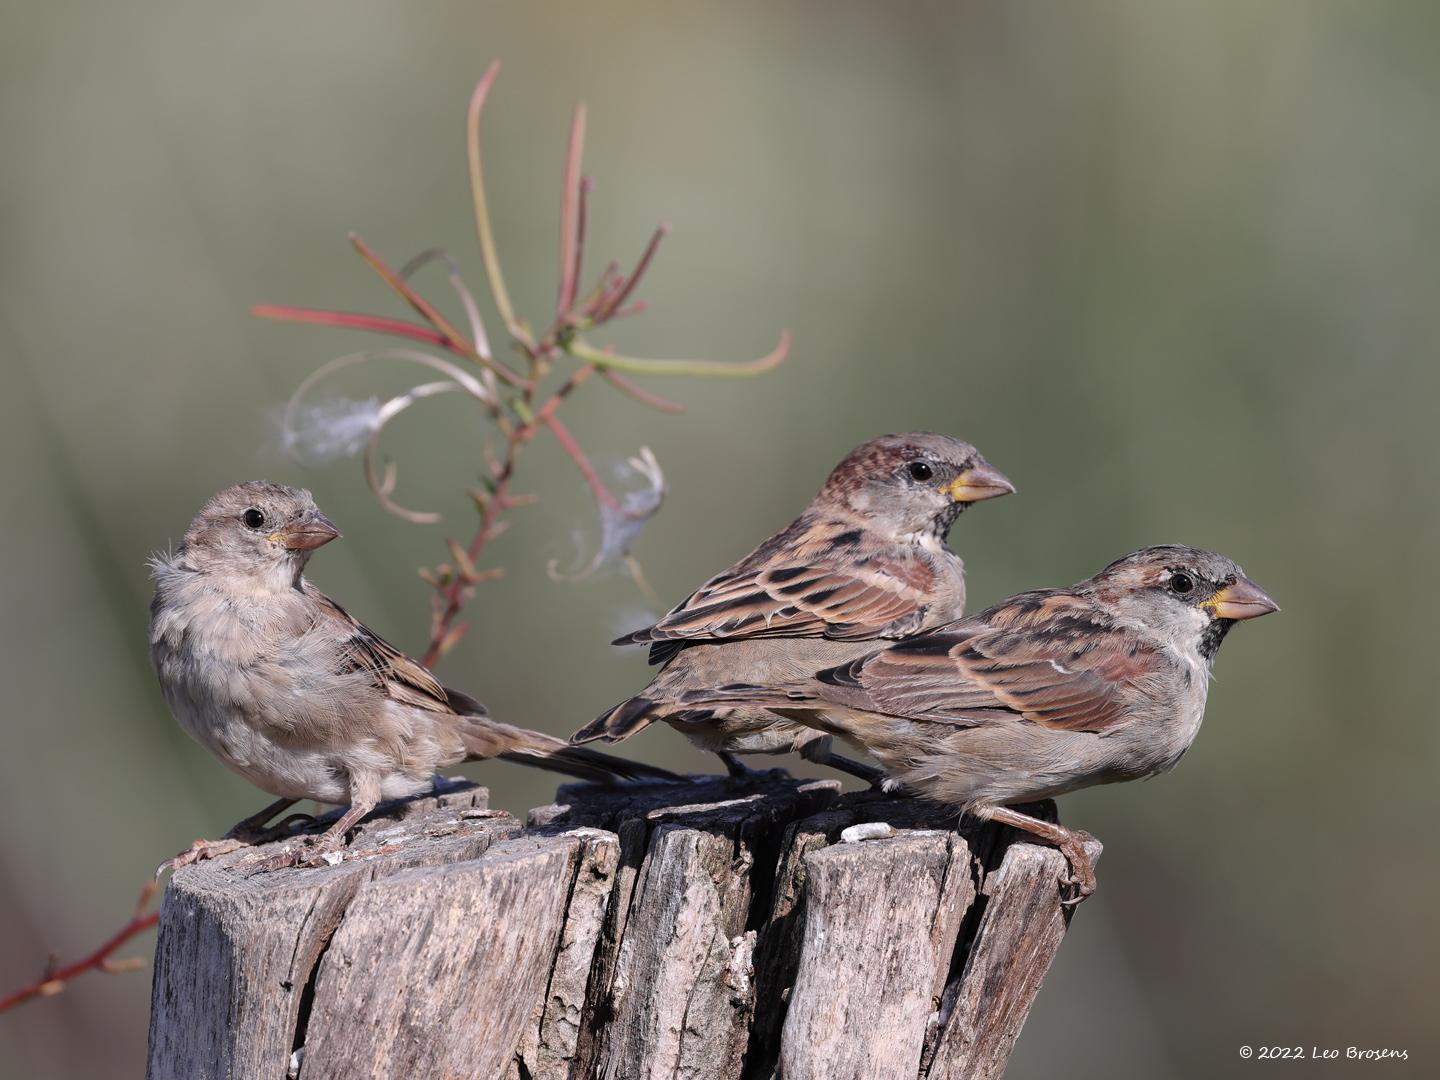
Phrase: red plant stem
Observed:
(351, 321)
(54, 981)
(608, 308)
(582, 216)
(639, 307)
(455, 594)
(431, 315)
(578, 376)
(570, 196)
(546, 415)
(567, 442)
(640, 394)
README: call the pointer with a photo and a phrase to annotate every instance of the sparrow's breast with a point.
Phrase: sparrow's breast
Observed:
(1167, 729)
(945, 587)
(235, 694)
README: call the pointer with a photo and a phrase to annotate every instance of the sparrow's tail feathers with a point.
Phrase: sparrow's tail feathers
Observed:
(592, 765)
(543, 751)
(624, 720)
(635, 637)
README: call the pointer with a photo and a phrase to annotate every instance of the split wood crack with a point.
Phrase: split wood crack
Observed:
(711, 930)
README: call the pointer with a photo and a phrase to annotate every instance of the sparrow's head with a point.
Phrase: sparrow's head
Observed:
(915, 483)
(257, 528)
(1187, 595)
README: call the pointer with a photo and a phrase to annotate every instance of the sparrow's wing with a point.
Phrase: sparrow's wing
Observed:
(401, 678)
(816, 579)
(1052, 658)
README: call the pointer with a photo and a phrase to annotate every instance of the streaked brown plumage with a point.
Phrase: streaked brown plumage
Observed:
(1044, 693)
(289, 690)
(866, 560)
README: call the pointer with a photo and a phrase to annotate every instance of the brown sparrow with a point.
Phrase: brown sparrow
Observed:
(1044, 693)
(867, 559)
(286, 688)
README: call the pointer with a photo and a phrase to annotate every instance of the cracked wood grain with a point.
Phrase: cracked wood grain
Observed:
(434, 970)
(882, 920)
(722, 929)
(1017, 939)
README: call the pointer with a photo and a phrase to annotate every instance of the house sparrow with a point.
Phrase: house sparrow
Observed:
(286, 688)
(1044, 693)
(867, 559)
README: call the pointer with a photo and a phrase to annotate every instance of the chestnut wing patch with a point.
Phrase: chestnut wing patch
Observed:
(863, 600)
(797, 602)
(814, 579)
(1054, 660)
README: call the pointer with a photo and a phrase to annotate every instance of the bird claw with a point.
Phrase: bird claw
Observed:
(308, 851)
(1081, 893)
(199, 851)
(242, 836)
(1081, 877)
(287, 856)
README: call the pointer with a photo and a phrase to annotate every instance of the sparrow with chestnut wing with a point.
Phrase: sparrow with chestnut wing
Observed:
(1042, 694)
(866, 560)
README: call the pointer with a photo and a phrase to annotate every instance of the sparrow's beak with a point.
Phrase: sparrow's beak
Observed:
(310, 532)
(1242, 600)
(981, 481)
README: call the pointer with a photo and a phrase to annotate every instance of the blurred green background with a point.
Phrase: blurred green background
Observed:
(1171, 266)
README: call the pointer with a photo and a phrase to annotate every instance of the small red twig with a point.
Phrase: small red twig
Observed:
(522, 414)
(567, 441)
(351, 321)
(572, 221)
(453, 336)
(610, 305)
(455, 593)
(443, 632)
(514, 411)
(586, 186)
(640, 394)
(55, 978)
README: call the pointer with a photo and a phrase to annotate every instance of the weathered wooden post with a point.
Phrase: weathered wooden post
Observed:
(770, 929)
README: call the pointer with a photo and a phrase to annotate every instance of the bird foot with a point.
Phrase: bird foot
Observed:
(1082, 869)
(306, 851)
(242, 836)
(199, 851)
(327, 849)
(819, 751)
(740, 773)
(874, 778)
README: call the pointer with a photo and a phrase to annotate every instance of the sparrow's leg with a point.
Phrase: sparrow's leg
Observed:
(1071, 843)
(819, 751)
(737, 769)
(333, 838)
(253, 826)
(243, 833)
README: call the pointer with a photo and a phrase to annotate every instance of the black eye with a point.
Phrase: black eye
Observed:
(920, 470)
(1181, 583)
(253, 518)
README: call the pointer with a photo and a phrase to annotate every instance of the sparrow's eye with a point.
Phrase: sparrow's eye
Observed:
(253, 518)
(920, 470)
(1181, 583)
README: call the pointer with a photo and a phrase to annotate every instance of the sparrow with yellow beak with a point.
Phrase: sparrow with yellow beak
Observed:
(1044, 693)
(866, 560)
